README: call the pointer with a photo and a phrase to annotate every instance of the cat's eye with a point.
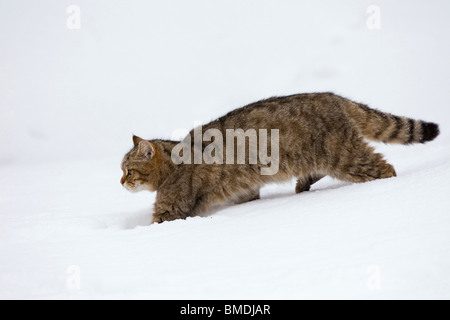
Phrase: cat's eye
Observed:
(129, 173)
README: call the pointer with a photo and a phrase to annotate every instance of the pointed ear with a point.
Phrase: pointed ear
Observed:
(136, 140)
(146, 149)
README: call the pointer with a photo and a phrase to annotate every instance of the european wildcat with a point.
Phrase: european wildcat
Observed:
(319, 134)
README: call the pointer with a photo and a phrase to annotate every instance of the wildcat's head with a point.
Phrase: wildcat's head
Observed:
(140, 167)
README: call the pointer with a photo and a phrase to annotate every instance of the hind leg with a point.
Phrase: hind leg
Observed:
(361, 164)
(304, 184)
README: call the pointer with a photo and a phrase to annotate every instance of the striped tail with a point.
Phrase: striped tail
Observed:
(384, 127)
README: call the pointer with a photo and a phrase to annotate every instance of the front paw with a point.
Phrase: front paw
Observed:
(168, 211)
(167, 216)
(162, 212)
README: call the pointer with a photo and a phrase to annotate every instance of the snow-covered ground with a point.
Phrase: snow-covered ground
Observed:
(384, 239)
(70, 99)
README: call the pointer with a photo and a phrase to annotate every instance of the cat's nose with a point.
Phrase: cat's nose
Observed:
(122, 180)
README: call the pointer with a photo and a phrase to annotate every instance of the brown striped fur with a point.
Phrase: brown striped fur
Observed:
(320, 134)
(385, 127)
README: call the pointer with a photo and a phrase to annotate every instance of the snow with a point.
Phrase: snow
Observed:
(70, 100)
